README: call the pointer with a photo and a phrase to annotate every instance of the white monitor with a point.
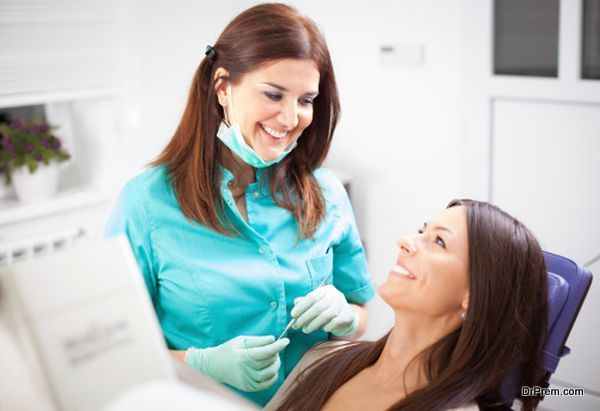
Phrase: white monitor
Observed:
(78, 332)
(84, 323)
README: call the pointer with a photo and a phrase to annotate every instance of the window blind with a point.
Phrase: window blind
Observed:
(56, 45)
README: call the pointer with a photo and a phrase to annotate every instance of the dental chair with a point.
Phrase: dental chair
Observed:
(568, 284)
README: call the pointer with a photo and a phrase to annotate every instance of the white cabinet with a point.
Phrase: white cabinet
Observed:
(533, 148)
(545, 170)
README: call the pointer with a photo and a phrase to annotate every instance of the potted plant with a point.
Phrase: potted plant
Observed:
(29, 154)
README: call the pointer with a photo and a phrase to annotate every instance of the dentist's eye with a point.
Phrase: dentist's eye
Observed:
(273, 96)
(420, 231)
(440, 241)
(306, 101)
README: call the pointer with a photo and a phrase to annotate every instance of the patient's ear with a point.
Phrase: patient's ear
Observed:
(465, 301)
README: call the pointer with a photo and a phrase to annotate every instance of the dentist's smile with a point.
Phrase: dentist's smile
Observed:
(274, 133)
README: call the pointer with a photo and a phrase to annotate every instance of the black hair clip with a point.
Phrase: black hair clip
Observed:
(211, 53)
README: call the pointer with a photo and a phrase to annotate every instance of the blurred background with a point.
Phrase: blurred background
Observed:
(492, 100)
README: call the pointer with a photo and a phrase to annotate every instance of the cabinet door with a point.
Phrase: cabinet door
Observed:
(545, 171)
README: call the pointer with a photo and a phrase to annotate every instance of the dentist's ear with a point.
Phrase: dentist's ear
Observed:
(220, 80)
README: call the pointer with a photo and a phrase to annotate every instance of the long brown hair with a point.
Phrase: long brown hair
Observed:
(256, 37)
(504, 328)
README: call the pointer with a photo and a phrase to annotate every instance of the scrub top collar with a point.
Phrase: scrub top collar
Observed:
(227, 176)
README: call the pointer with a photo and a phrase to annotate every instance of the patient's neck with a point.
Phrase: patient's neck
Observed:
(400, 361)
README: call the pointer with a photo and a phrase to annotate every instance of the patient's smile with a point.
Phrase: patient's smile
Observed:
(402, 272)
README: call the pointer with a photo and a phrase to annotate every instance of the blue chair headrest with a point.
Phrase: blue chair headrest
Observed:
(568, 284)
(558, 293)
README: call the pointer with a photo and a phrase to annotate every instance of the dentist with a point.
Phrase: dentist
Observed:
(236, 224)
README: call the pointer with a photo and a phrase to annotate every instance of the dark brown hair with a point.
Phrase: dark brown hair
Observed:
(504, 327)
(255, 38)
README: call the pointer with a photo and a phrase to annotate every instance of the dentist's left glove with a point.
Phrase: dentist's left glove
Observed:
(325, 308)
(247, 363)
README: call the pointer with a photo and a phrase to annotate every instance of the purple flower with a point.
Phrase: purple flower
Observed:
(16, 124)
(7, 144)
(28, 148)
(36, 128)
(44, 142)
(44, 127)
(56, 144)
(38, 156)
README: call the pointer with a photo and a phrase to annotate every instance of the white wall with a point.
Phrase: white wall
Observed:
(400, 129)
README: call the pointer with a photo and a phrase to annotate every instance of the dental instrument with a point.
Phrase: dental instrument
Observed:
(293, 320)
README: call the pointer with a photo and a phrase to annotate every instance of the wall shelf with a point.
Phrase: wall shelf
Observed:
(12, 211)
(52, 96)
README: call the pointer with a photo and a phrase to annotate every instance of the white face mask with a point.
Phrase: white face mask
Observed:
(233, 138)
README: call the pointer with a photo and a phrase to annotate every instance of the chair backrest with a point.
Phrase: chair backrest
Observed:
(568, 284)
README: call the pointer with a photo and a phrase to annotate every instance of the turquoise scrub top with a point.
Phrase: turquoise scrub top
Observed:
(208, 288)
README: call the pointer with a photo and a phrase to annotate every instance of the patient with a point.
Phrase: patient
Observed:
(469, 297)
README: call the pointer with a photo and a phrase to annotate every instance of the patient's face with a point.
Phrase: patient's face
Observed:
(431, 274)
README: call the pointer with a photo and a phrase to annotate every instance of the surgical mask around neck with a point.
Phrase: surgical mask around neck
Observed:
(232, 137)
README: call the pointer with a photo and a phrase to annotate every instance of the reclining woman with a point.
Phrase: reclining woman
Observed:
(469, 297)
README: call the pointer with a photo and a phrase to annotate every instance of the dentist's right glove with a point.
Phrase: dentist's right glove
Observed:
(247, 363)
(325, 308)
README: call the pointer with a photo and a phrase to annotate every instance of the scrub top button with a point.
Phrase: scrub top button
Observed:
(273, 304)
(262, 250)
(255, 194)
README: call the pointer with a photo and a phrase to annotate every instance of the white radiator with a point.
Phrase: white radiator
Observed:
(32, 247)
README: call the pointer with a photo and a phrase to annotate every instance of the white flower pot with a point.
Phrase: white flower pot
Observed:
(37, 186)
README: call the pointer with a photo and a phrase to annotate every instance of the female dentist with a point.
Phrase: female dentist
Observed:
(235, 226)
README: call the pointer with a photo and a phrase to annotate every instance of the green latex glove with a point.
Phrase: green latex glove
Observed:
(325, 308)
(245, 362)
